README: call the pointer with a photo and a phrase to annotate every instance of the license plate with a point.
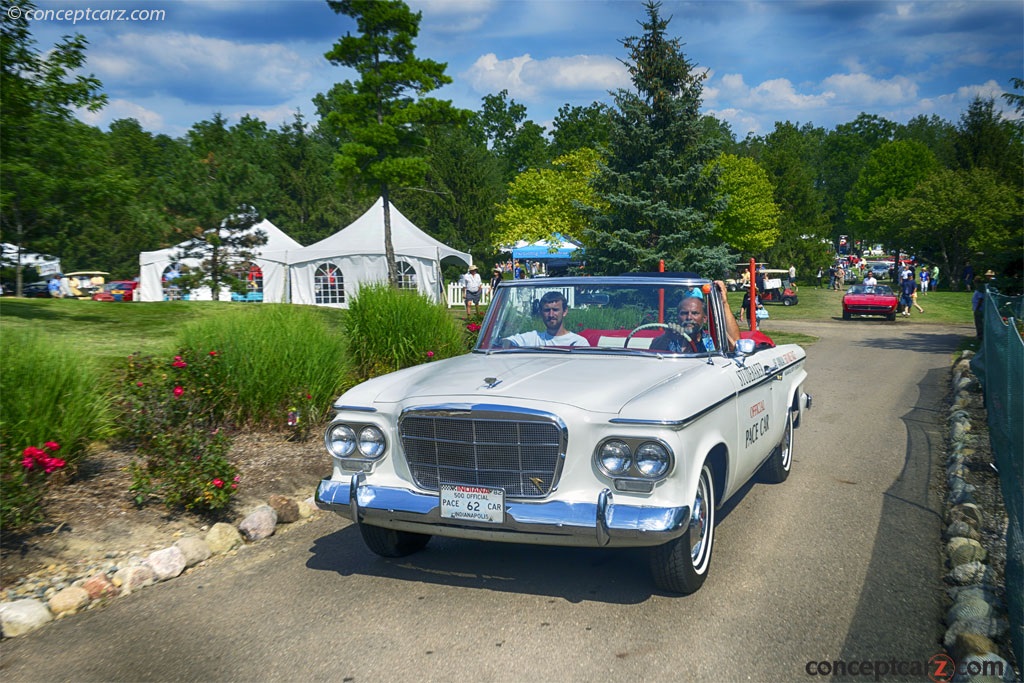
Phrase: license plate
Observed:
(472, 503)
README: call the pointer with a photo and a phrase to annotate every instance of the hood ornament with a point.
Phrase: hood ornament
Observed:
(491, 382)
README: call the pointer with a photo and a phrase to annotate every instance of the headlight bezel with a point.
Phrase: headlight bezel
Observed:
(360, 436)
(633, 471)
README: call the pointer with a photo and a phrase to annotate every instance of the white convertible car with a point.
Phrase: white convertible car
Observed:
(593, 411)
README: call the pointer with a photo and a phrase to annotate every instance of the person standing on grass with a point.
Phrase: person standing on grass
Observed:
(496, 278)
(908, 287)
(925, 277)
(473, 284)
(821, 274)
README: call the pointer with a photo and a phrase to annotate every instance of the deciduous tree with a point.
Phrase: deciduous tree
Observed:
(749, 223)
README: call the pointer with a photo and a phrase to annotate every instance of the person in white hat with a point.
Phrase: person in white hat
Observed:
(474, 285)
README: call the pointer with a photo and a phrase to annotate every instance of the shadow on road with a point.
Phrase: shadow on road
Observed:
(899, 611)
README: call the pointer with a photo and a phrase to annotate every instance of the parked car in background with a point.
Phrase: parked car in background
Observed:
(880, 269)
(869, 300)
(118, 290)
(35, 290)
(602, 436)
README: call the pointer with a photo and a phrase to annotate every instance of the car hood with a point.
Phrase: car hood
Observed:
(570, 378)
(868, 298)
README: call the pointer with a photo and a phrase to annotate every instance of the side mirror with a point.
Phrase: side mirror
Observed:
(744, 347)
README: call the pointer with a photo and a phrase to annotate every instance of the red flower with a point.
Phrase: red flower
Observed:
(219, 483)
(28, 462)
(51, 464)
(213, 353)
(138, 384)
(178, 391)
(430, 354)
(309, 397)
(179, 363)
(33, 452)
(52, 446)
(473, 327)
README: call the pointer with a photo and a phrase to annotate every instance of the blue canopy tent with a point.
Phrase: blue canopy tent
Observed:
(545, 251)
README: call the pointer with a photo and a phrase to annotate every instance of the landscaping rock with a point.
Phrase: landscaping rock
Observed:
(70, 599)
(307, 508)
(22, 616)
(968, 644)
(259, 524)
(99, 586)
(969, 513)
(194, 549)
(963, 550)
(966, 574)
(166, 563)
(223, 537)
(989, 627)
(134, 577)
(287, 509)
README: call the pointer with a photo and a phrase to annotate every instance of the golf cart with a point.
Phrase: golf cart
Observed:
(774, 290)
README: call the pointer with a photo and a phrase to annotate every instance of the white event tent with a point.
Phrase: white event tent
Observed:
(329, 272)
(157, 270)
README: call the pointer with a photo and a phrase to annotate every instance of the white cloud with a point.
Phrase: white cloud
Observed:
(867, 90)
(193, 67)
(122, 109)
(773, 95)
(526, 78)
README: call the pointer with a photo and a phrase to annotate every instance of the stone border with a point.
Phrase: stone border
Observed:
(116, 579)
(977, 614)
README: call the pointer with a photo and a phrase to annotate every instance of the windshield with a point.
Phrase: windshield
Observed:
(645, 315)
(879, 290)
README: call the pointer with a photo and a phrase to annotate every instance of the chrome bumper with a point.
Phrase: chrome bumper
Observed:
(598, 524)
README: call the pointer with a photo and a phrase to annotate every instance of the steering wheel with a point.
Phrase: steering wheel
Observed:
(650, 326)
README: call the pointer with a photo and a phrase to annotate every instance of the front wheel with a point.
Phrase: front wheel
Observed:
(788, 301)
(681, 566)
(392, 543)
(776, 469)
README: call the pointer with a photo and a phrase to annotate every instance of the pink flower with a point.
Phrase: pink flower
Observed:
(138, 384)
(28, 462)
(178, 391)
(180, 363)
(219, 483)
(473, 327)
(430, 354)
(33, 452)
(52, 446)
(237, 479)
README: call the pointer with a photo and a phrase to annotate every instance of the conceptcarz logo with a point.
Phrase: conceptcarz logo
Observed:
(939, 669)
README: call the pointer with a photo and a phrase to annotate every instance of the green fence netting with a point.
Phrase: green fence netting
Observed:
(999, 365)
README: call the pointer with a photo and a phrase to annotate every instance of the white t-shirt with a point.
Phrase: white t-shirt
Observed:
(870, 280)
(472, 281)
(535, 338)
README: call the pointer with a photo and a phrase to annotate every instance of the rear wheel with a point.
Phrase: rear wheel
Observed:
(776, 469)
(788, 301)
(847, 315)
(392, 543)
(681, 566)
(891, 317)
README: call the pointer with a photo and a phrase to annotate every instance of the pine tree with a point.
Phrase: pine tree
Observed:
(661, 205)
(381, 118)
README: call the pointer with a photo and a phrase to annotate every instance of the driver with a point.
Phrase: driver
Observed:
(693, 318)
(553, 308)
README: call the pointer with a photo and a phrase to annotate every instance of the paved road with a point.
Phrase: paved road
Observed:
(840, 562)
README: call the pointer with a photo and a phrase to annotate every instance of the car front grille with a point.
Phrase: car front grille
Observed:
(521, 453)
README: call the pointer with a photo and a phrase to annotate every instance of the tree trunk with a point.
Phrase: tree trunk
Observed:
(389, 247)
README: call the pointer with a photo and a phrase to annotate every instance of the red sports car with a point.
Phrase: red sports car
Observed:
(119, 290)
(869, 300)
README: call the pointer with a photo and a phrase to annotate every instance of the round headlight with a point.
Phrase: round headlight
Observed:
(371, 442)
(614, 457)
(652, 459)
(341, 440)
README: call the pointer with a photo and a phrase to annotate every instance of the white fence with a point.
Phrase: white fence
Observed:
(456, 294)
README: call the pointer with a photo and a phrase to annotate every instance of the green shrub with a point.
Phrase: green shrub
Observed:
(274, 360)
(50, 393)
(172, 412)
(391, 329)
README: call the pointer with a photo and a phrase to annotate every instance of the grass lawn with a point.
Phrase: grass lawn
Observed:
(108, 332)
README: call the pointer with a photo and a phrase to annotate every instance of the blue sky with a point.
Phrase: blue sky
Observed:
(805, 61)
